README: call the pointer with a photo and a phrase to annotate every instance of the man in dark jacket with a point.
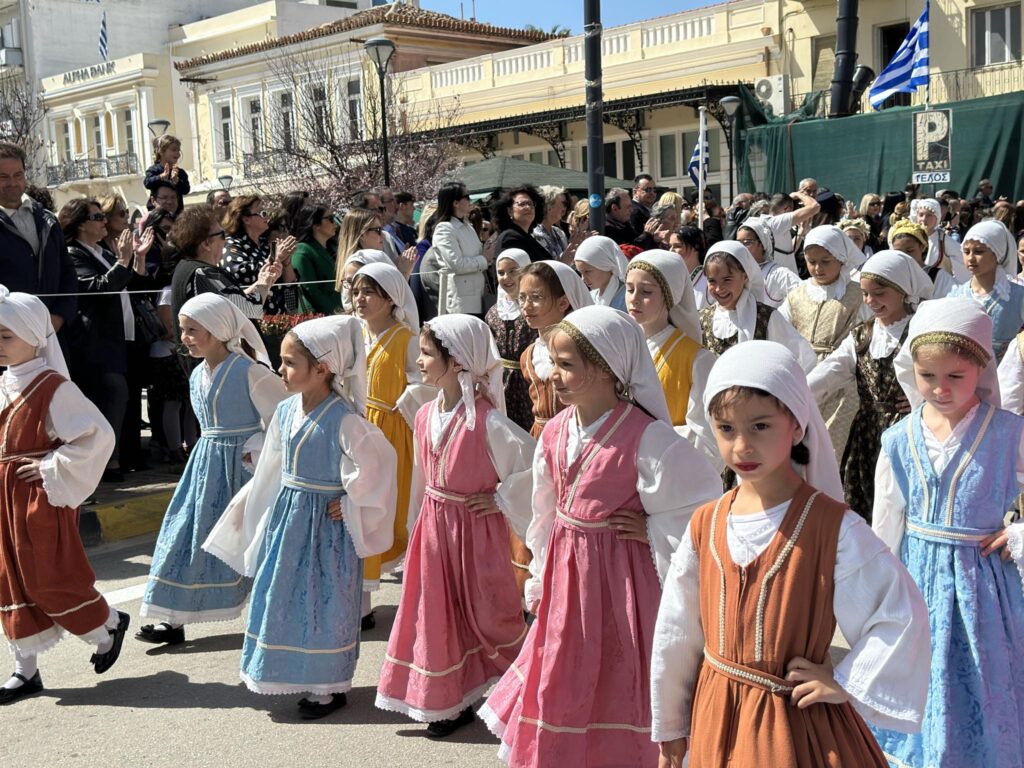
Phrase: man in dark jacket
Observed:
(33, 255)
(645, 193)
(616, 220)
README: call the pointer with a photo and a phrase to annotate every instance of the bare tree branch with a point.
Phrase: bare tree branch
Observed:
(21, 120)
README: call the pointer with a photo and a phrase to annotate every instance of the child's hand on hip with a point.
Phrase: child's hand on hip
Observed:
(994, 543)
(816, 684)
(628, 526)
(482, 504)
(672, 753)
(334, 509)
(29, 470)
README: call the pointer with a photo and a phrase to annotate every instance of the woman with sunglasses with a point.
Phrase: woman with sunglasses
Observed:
(246, 250)
(459, 254)
(104, 325)
(316, 231)
(515, 213)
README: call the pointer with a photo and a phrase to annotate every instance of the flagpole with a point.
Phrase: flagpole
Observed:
(928, 82)
(702, 138)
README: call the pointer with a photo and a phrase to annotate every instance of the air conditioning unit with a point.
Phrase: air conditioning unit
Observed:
(11, 57)
(773, 91)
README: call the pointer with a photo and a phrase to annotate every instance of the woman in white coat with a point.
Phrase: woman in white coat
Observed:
(459, 254)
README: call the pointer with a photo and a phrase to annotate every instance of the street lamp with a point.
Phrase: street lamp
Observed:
(225, 181)
(158, 127)
(380, 50)
(729, 105)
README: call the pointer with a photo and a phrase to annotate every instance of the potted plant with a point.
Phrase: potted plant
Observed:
(273, 329)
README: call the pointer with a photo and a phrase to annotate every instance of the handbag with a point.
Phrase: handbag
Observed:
(148, 326)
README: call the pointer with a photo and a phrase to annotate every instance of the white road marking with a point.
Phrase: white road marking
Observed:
(126, 594)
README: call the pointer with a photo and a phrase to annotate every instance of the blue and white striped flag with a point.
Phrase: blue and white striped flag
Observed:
(699, 170)
(103, 37)
(908, 68)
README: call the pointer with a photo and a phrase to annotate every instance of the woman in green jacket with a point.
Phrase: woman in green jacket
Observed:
(314, 261)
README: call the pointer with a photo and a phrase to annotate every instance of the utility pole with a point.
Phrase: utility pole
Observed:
(595, 112)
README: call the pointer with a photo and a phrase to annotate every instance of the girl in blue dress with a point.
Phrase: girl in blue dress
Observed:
(945, 478)
(322, 499)
(602, 265)
(989, 251)
(234, 398)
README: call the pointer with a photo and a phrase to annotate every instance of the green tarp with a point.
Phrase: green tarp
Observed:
(872, 152)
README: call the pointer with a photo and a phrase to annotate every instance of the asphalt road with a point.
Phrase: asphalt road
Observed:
(184, 706)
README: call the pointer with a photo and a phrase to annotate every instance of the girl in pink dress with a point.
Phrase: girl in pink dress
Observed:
(460, 621)
(614, 488)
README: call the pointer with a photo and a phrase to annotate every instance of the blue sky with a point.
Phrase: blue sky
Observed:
(569, 13)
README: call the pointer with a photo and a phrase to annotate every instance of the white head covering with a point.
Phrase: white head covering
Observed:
(778, 373)
(760, 227)
(27, 317)
(397, 288)
(572, 284)
(926, 203)
(671, 274)
(616, 338)
(603, 253)
(901, 272)
(226, 322)
(742, 320)
(508, 308)
(362, 258)
(736, 249)
(997, 238)
(832, 239)
(469, 341)
(337, 342)
(955, 319)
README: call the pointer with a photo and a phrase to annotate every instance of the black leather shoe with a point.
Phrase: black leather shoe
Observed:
(157, 635)
(101, 662)
(369, 622)
(30, 687)
(311, 710)
(444, 728)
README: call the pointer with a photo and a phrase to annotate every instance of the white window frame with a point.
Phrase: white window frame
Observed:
(218, 124)
(251, 141)
(97, 135)
(984, 16)
(346, 100)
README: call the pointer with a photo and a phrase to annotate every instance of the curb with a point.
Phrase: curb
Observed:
(136, 515)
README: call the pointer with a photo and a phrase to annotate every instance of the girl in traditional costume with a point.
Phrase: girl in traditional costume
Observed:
(741, 672)
(54, 445)
(322, 499)
(989, 250)
(548, 291)
(602, 265)
(614, 486)
(912, 239)
(460, 620)
(661, 299)
(757, 236)
(511, 334)
(741, 314)
(234, 397)
(382, 299)
(946, 476)
(824, 308)
(892, 286)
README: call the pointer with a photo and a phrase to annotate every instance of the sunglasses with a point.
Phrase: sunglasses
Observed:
(523, 204)
(378, 230)
(261, 214)
(96, 217)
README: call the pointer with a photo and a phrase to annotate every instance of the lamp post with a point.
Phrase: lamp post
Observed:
(225, 181)
(729, 105)
(380, 50)
(158, 127)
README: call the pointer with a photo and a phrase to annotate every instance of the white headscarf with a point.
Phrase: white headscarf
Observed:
(760, 227)
(27, 317)
(743, 319)
(926, 203)
(362, 258)
(772, 368)
(508, 308)
(832, 239)
(394, 284)
(902, 272)
(671, 273)
(603, 253)
(337, 342)
(962, 321)
(620, 343)
(994, 235)
(572, 284)
(226, 322)
(469, 341)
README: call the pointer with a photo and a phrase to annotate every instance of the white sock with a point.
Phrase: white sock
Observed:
(113, 619)
(107, 642)
(367, 607)
(168, 625)
(319, 699)
(25, 665)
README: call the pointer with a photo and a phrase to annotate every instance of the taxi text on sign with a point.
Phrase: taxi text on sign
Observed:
(932, 158)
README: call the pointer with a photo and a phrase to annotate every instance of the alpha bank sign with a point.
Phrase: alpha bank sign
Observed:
(90, 73)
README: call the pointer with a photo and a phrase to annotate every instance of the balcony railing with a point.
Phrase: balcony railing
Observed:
(92, 168)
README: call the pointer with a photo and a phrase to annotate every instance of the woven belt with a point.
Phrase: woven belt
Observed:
(309, 484)
(945, 534)
(248, 429)
(540, 421)
(512, 365)
(747, 675)
(588, 525)
(380, 405)
(15, 455)
(442, 495)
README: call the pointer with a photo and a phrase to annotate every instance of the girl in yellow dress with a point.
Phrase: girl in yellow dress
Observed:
(659, 296)
(382, 299)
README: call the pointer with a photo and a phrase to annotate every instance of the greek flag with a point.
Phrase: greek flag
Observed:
(698, 167)
(908, 68)
(103, 37)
